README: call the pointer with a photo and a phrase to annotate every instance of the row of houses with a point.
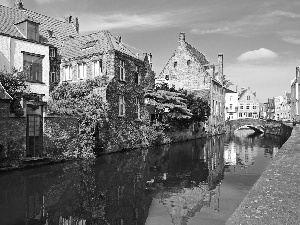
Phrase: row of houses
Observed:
(51, 51)
(241, 104)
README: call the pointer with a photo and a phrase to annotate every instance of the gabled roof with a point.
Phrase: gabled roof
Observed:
(3, 94)
(11, 16)
(94, 43)
(201, 58)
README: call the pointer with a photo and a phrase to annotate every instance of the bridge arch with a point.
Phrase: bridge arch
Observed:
(257, 125)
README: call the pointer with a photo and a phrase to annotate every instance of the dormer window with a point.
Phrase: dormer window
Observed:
(188, 62)
(32, 31)
(29, 29)
(175, 64)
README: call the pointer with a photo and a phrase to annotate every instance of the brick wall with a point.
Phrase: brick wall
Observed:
(4, 108)
(13, 136)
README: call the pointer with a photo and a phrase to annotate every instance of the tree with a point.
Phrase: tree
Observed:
(14, 84)
(199, 108)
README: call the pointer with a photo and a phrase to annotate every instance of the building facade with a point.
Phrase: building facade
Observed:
(31, 42)
(271, 109)
(248, 105)
(231, 105)
(190, 70)
(283, 107)
(295, 96)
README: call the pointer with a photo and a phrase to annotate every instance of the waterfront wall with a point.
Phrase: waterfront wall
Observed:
(279, 129)
(274, 198)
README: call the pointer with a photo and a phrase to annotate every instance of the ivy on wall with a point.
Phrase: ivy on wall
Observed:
(79, 100)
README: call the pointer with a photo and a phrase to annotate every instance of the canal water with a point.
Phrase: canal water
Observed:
(195, 182)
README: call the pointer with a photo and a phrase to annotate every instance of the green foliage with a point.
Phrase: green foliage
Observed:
(14, 84)
(179, 107)
(81, 101)
(199, 108)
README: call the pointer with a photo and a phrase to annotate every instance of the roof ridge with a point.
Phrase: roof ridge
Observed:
(46, 16)
(108, 34)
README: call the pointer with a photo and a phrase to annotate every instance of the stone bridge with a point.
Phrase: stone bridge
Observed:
(257, 125)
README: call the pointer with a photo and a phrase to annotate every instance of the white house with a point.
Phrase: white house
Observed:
(231, 104)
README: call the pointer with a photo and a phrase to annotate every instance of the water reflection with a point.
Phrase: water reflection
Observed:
(174, 184)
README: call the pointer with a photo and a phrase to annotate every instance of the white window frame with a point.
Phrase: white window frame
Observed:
(137, 70)
(53, 75)
(81, 70)
(122, 70)
(68, 72)
(138, 107)
(52, 52)
(97, 67)
(121, 105)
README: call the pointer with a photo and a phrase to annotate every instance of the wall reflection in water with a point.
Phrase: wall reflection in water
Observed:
(125, 188)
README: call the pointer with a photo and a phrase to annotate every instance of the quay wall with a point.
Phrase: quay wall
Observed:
(274, 199)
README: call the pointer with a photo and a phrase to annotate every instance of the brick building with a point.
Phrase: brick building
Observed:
(31, 42)
(124, 76)
(190, 70)
(295, 96)
(248, 104)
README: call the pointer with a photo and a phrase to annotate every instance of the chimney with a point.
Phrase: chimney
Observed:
(76, 24)
(145, 55)
(236, 89)
(181, 40)
(220, 64)
(297, 72)
(74, 21)
(19, 4)
(150, 59)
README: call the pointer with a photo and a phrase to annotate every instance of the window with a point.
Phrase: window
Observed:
(137, 75)
(175, 64)
(52, 52)
(121, 105)
(137, 107)
(81, 72)
(167, 77)
(247, 107)
(33, 31)
(241, 107)
(230, 106)
(254, 107)
(240, 115)
(33, 67)
(97, 67)
(248, 97)
(250, 115)
(68, 72)
(188, 62)
(122, 70)
(230, 98)
(52, 74)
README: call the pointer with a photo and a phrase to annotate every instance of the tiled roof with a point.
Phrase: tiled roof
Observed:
(3, 93)
(61, 29)
(229, 91)
(94, 43)
(201, 58)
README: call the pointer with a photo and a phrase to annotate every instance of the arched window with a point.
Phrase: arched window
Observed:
(188, 62)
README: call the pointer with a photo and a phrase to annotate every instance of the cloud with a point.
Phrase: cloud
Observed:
(92, 22)
(249, 25)
(291, 36)
(260, 54)
(286, 14)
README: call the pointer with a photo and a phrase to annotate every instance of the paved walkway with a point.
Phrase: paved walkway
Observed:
(275, 197)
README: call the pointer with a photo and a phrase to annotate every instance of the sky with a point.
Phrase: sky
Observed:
(260, 39)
